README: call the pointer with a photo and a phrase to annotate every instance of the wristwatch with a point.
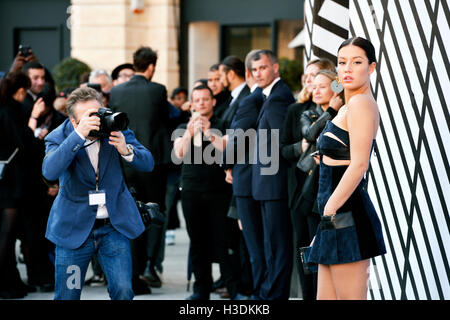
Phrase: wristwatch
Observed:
(130, 150)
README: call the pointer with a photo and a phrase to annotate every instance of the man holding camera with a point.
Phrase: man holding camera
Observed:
(94, 212)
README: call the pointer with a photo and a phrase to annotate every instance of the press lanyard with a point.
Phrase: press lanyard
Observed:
(98, 167)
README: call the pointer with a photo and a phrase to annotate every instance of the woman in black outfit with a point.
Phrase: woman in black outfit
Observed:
(14, 134)
(291, 150)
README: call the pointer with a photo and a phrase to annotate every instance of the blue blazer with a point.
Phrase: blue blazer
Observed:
(245, 118)
(71, 218)
(271, 117)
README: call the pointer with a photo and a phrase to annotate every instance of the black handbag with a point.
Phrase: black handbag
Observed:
(308, 267)
(306, 161)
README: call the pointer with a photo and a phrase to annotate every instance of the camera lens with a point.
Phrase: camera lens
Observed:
(117, 121)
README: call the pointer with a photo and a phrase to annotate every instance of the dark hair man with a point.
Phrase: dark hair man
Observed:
(269, 185)
(221, 95)
(232, 76)
(146, 104)
(94, 212)
(36, 72)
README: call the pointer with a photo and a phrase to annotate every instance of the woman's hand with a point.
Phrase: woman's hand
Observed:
(336, 102)
(328, 210)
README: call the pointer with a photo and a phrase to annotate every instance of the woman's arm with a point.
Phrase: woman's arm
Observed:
(362, 123)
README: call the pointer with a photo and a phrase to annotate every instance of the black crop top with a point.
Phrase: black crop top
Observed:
(333, 148)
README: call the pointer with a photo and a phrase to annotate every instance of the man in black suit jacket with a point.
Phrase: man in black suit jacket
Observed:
(232, 76)
(146, 104)
(221, 94)
(269, 178)
(240, 173)
(37, 74)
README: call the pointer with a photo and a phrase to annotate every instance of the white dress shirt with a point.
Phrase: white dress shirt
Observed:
(237, 91)
(93, 152)
(268, 89)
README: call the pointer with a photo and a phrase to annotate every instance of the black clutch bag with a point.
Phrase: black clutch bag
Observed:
(308, 268)
(150, 214)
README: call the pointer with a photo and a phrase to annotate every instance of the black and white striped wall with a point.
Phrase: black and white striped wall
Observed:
(409, 173)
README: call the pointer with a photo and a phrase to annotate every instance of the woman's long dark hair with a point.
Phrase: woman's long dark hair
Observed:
(12, 82)
(364, 44)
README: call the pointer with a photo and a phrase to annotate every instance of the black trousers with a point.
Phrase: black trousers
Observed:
(277, 229)
(205, 214)
(172, 196)
(9, 274)
(149, 187)
(249, 211)
(305, 223)
(35, 247)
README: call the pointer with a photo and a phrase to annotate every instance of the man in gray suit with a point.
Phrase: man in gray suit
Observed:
(146, 104)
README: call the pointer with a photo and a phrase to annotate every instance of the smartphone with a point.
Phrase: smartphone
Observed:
(24, 50)
(315, 153)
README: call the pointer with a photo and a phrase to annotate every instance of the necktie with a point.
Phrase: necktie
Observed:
(264, 97)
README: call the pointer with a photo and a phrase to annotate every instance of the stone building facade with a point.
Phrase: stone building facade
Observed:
(105, 33)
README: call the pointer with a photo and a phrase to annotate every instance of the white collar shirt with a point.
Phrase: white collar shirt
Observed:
(268, 89)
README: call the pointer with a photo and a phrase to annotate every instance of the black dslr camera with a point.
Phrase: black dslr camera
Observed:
(109, 121)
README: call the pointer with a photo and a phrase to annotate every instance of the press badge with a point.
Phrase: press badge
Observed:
(97, 197)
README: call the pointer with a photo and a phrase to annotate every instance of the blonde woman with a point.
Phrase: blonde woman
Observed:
(350, 232)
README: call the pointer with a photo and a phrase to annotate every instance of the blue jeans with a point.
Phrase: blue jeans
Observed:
(114, 255)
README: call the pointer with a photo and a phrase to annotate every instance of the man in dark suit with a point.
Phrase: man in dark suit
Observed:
(94, 213)
(240, 173)
(232, 77)
(146, 104)
(221, 95)
(36, 72)
(269, 177)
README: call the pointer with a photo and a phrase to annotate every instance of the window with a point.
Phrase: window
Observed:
(240, 40)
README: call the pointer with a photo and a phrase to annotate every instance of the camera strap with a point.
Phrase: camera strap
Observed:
(83, 147)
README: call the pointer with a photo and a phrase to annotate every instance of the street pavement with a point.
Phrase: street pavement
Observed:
(174, 277)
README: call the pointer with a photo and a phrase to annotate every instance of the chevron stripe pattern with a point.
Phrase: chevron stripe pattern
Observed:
(409, 172)
(327, 26)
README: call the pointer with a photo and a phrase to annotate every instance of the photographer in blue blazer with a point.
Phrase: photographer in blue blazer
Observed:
(94, 213)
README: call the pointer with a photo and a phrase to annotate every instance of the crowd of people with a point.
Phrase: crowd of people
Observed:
(239, 213)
